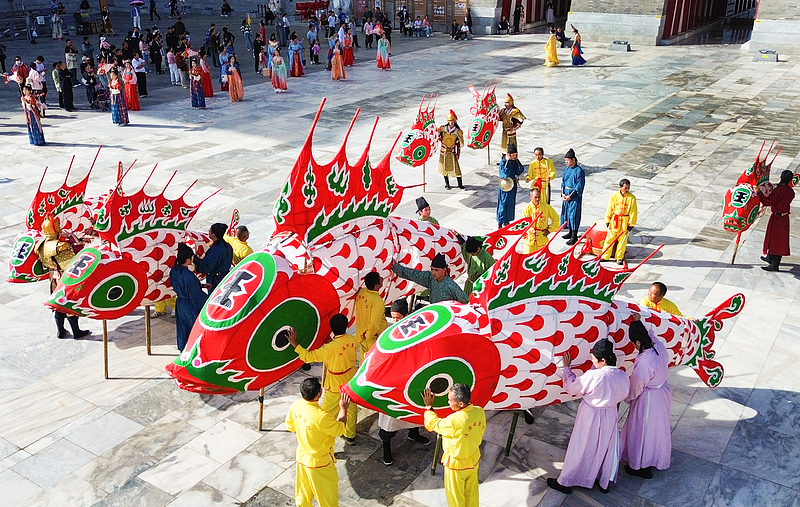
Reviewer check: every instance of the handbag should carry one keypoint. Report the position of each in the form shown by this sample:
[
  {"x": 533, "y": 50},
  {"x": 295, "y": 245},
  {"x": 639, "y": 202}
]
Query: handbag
[
  {"x": 266, "y": 72},
  {"x": 34, "y": 34}
]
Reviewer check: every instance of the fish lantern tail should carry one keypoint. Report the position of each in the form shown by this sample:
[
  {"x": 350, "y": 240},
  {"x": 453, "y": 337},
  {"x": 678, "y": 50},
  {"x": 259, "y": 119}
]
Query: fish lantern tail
[{"x": 710, "y": 371}]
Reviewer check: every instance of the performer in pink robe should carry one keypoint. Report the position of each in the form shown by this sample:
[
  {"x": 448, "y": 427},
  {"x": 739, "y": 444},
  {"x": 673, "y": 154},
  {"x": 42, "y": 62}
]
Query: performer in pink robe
[
  {"x": 593, "y": 450},
  {"x": 646, "y": 440}
]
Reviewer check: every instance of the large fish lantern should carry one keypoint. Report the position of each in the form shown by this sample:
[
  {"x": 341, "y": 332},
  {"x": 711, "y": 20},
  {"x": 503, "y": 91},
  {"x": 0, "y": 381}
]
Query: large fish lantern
[
  {"x": 525, "y": 313},
  {"x": 486, "y": 116},
  {"x": 129, "y": 267},
  {"x": 417, "y": 146},
  {"x": 742, "y": 204},
  {"x": 333, "y": 226}
]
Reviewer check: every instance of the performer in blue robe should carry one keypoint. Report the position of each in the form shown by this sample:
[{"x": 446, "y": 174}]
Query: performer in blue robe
[
  {"x": 572, "y": 184},
  {"x": 191, "y": 297},
  {"x": 511, "y": 168},
  {"x": 218, "y": 260}
]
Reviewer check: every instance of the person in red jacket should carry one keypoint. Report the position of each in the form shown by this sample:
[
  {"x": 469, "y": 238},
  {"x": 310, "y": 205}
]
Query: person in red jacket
[{"x": 776, "y": 239}]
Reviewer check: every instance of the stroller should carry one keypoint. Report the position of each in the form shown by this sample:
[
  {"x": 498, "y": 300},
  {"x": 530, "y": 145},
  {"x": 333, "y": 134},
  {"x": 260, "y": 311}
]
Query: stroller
[{"x": 101, "y": 99}]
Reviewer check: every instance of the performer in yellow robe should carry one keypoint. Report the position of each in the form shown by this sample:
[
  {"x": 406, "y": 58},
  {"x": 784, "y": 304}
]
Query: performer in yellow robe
[
  {"x": 339, "y": 358},
  {"x": 239, "y": 244},
  {"x": 621, "y": 217},
  {"x": 550, "y": 53},
  {"x": 370, "y": 313},
  {"x": 316, "y": 430},
  {"x": 462, "y": 433},
  {"x": 540, "y": 172},
  {"x": 655, "y": 300},
  {"x": 512, "y": 120},
  {"x": 536, "y": 238},
  {"x": 452, "y": 138}
]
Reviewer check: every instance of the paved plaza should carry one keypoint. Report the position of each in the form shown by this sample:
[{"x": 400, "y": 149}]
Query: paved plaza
[{"x": 681, "y": 123}]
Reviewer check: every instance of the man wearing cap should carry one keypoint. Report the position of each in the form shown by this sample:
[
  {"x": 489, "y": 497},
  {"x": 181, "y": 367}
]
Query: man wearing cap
[
  {"x": 512, "y": 120},
  {"x": 510, "y": 169},
  {"x": 478, "y": 260},
  {"x": 339, "y": 358},
  {"x": 440, "y": 285},
  {"x": 572, "y": 183},
  {"x": 424, "y": 210},
  {"x": 452, "y": 139},
  {"x": 620, "y": 218},
  {"x": 370, "y": 313},
  {"x": 540, "y": 172},
  {"x": 545, "y": 219}
]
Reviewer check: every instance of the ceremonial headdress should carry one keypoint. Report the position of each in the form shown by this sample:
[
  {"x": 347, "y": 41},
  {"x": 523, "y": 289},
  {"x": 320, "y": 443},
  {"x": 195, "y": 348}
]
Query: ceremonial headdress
[
  {"x": 472, "y": 245},
  {"x": 570, "y": 153},
  {"x": 400, "y": 306},
  {"x": 604, "y": 349},
  {"x": 51, "y": 228},
  {"x": 452, "y": 116},
  {"x": 439, "y": 262},
  {"x": 421, "y": 204},
  {"x": 509, "y": 99},
  {"x": 512, "y": 148}
]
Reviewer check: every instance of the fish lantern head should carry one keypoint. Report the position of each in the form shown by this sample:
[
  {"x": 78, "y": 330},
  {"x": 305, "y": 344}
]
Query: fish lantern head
[
  {"x": 99, "y": 285},
  {"x": 480, "y": 132},
  {"x": 740, "y": 208},
  {"x": 239, "y": 341},
  {"x": 415, "y": 148},
  {"x": 25, "y": 265},
  {"x": 434, "y": 347}
]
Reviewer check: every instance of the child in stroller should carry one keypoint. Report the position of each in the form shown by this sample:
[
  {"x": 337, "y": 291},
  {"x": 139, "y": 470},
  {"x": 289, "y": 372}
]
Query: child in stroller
[{"x": 101, "y": 99}]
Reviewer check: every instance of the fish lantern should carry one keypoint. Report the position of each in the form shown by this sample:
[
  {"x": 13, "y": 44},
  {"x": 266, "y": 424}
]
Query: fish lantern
[
  {"x": 742, "y": 203},
  {"x": 417, "y": 146},
  {"x": 486, "y": 117}
]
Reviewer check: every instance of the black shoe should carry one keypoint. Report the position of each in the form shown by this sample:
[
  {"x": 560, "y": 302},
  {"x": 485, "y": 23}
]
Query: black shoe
[
  {"x": 620, "y": 262},
  {"x": 528, "y": 416},
  {"x": 82, "y": 334},
  {"x": 387, "y": 458},
  {"x": 769, "y": 268},
  {"x": 61, "y": 334},
  {"x": 766, "y": 259},
  {"x": 553, "y": 484},
  {"x": 419, "y": 439},
  {"x": 602, "y": 489},
  {"x": 349, "y": 440},
  {"x": 572, "y": 241},
  {"x": 306, "y": 367},
  {"x": 644, "y": 473},
  {"x": 567, "y": 235},
  {"x": 462, "y": 187},
  {"x": 447, "y": 187}
]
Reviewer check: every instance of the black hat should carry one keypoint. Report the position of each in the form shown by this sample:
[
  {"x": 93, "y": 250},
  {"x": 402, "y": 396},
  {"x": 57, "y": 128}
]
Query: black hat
[
  {"x": 422, "y": 204},
  {"x": 603, "y": 349},
  {"x": 570, "y": 153},
  {"x": 512, "y": 148},
  {"x": 472, "y": 244},
  {"x": 400, "y": 306},
  {"x": 439, "y": 262}
]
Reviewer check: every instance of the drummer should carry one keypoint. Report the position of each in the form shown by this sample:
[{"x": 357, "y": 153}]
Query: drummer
[{"x": 510, "y": 171}]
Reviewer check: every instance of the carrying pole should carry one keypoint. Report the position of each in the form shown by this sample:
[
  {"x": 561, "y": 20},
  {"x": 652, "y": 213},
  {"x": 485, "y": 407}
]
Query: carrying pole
[
  {"x": 511, "y": 432},
  {"x": 736, "y": 247},
  {"x": 260, "y": 409},
  {"x": 147, "y": 329},
  {"x": 424, "y": 184},
  {"x": 105, "y": 348},
  {"x": 436, "y": 450},
  {"x": 488, "y": 154}
]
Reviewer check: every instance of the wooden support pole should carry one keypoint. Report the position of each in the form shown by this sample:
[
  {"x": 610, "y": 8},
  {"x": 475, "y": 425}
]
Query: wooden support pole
[
  {"x": 261, "y": 409},
  {"x": 736, "y": 247},
  {"x": 436, "y": 450},
  {"x": 147, "y": 329},
  {"x": 511, "y": 433},
  {"x": 105, "y": 348},
  {"x": 488, "y": 154},
  {"x": 423, "y": 177}
]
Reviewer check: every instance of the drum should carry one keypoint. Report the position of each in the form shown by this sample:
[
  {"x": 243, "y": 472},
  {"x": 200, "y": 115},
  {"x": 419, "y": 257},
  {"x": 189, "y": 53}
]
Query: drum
[{"x": 593, "y": 243}]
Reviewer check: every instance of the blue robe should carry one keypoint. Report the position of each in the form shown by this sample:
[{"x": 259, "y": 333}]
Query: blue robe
[
  {"x": 507, "y": 201},
  {"x": 191, "y": 299},
  {"x": 215, "y": 264},
  {"x": 572, "y": 183}
]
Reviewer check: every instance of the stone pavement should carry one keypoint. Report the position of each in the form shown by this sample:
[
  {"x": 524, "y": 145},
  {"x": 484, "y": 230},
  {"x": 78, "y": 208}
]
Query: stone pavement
[{"x": 681, "y": 123}]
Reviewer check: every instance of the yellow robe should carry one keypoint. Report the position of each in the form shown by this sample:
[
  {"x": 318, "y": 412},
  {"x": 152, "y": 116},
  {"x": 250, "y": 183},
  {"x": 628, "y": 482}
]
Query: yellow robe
[
  {"x": 665, "y": 305},
  {"x": 316, "y": 431},
  {"x": 339, "y": 358},
  {"x": 535, "y": 239},
  {"x": 621, "y": 215},
  {"x": 370, "y": 318},
  {"x": 510, "y": 118},
  {"x": 448, "y": 162},
  {"x": 240, "y": 248},
  {"x": 462, "y": 433},
  {"x": 540, "y": 172},
  {"x": 550, "y": 53}
]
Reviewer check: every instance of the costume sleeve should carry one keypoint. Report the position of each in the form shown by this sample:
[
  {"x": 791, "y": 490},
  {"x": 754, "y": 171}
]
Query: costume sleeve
[
  {"x": 572, "y": 383},
  {"x": 330, "y": 426},
  {"x": 195, "y": 290},
  {"x": 551, "y": 168},
  {"x": 486, "y": 258},
  {"x": 552, "y": 217},
  {"x": 444, "y": 427},
  {"x": 531, "y": 175},
  {"x": 638, "y": 381},
  {"x": 460, "y": 134},
  {"x": 290, "y": 421},
  {"x": 458, "y": 294},
  {"x": 313, "y": 356},
  {"x": 610, "y": 208},
  {"x": 633, "y": 213},
  {"x": 420, "y": 277},
  {"x": 580, "y": 181},
  {"x": 209, "y": 263},
  {"x": 503, "y": 167},
  {"x": 377, "y": 318}
]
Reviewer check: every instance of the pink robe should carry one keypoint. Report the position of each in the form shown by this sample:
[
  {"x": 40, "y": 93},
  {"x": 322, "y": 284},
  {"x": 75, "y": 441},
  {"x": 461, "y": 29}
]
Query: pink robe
[
  {"x": 593, "y": 450},
  {"x": 646, "y": 439}
]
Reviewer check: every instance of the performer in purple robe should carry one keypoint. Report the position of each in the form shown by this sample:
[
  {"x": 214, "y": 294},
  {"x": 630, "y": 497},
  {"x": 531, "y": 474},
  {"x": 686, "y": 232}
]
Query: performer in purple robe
[
  {"x": 646, "y": 440},
  {"x": 593, "y": 450}
]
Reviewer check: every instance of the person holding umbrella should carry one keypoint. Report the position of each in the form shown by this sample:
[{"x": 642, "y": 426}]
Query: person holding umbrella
[{"x": 136, "y": 16}]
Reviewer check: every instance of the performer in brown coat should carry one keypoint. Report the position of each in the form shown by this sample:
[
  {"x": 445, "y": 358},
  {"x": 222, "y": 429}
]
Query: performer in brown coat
[{"x": 776, "y": 240}]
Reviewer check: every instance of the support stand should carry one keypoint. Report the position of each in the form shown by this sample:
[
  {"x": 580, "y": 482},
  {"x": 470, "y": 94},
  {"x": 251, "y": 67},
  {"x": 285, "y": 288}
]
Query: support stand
[
  {"x": 260, "y": 409},
  {"x": 147, "y": 329},
  {"x": 488, "y": 154},
  {"x": 105, "y": 348},
  {"x": 736, "y": 247},
  {"x": 424, "y": 184},
  {"x": 436, "y": 450},
  {"x": 511, "y": 433}
]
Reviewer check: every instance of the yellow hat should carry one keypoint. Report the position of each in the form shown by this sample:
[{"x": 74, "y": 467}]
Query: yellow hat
[
  {"x": 452, "y": 116},
  {"x": 509, "y": 99}
]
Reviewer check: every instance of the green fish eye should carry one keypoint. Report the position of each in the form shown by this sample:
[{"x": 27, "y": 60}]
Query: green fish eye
[
  {"x": 114, "y": 292},
  {"x": 439, "y": 377}
]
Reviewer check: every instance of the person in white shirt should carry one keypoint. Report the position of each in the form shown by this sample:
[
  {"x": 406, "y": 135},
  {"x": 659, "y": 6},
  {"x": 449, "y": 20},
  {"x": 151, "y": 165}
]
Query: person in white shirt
[{"x": 139, "y": 66}]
